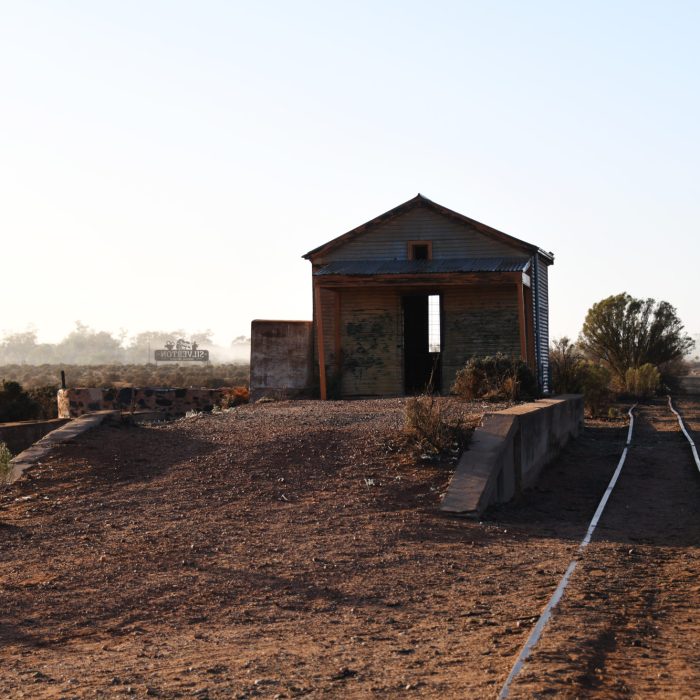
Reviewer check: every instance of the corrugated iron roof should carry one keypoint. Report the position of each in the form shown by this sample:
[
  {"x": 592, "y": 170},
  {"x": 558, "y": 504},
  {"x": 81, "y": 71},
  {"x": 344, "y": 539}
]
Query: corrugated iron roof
[{"x": 422, "y": 267}]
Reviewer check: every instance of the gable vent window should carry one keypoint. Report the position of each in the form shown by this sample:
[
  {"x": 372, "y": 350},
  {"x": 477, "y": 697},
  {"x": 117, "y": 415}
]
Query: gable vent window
[{"x": 420, "y": 250}]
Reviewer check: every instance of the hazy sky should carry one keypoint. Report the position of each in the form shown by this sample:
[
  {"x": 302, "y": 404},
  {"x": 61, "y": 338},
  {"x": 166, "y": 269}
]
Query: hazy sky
[{"x": 166, "y": 164}]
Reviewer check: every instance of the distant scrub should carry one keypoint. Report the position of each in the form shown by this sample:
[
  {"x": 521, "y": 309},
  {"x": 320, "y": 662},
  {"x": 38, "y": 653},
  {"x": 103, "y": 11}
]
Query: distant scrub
[{"x": 48, "y": 377}]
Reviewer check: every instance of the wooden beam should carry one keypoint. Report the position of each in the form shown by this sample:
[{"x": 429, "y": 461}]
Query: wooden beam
[
  {"x": 320, "y": 343},
  {"x": 522, "y": 321},
  {"x": 432, "y": 280},
  {"x": 337, "y": 350}
]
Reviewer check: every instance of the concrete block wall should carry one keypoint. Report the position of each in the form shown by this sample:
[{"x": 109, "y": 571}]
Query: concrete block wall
[
  {"x": 281, "y": 361},
  {"x": 508, "y": 452}
]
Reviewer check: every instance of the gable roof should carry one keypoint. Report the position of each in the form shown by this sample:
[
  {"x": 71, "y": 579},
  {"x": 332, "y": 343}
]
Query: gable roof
[{"x": 420, "y": 201}]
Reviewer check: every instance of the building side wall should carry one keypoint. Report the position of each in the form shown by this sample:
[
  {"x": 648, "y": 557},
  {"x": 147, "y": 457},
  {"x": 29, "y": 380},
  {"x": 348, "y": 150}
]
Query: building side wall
[
  {"x": 477, "y": 320},
  {"x": 450, "y": 238},
  {"x": 280, "y": 358}
]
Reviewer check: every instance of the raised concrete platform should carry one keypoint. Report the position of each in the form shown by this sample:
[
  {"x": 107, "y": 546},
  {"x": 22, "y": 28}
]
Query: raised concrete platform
[
  {"x": 22, "y": 434},
  {"x": 39, "y": 450},
  {"x": 507, "y": 453}
]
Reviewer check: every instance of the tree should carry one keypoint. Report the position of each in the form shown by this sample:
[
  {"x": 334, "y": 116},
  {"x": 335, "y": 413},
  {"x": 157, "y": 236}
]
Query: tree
[
  {"x": 16, "y": 404},
  {"x": 566, "y": 362},
  {"x": 623, "y": 332}
]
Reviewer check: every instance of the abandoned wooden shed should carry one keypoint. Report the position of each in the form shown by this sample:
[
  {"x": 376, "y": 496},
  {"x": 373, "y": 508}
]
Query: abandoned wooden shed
[{"x": 407, "y": 298}]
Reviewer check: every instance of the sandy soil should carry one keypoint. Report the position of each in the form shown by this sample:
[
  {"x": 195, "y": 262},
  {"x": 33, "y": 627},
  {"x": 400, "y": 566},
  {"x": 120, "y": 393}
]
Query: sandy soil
[{"x": 294, "y": 549}]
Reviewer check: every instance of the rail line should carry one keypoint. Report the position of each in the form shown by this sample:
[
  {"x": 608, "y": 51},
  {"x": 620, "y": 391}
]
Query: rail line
[
  {"x": 544, "y": 618},
  {"x": 693, "y": 447}
]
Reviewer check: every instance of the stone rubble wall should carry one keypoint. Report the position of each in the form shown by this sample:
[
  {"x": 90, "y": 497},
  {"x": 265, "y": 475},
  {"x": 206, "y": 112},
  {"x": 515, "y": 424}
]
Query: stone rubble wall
[{"x": 169, "y": 402}]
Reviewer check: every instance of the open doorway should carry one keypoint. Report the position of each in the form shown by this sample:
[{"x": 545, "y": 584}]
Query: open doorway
[{"x": 422, "y": 342}]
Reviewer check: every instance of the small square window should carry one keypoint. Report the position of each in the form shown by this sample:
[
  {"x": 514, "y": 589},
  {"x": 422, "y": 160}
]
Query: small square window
[{"x": 420, "y": 250}]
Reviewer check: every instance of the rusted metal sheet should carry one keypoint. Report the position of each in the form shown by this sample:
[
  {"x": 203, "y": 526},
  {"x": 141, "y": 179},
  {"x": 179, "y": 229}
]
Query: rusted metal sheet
[
  {"x": 451, "y": 239},
  {"x": 478, "y": 320},
  {"x": 400, "y": 267}
]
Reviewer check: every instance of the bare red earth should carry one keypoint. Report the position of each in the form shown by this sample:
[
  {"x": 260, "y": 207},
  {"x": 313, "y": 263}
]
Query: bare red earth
[{"x": 292, "y": 549}]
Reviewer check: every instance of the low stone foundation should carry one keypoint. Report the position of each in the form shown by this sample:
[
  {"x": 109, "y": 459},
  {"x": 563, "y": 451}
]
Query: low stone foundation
[{"x": 167, "y": 402}]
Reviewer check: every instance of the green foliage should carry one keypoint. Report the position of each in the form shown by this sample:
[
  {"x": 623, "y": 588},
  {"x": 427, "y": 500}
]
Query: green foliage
[
  {"x": 595, "y": 385},
  {"x": 622, "y": 332},
  {"x": 643, "y": 382},
  {"x": 496, "y": 376},
  {"x": 572, "y": 374},
  {"x": 16, "y": 404},
  {"x": 567, "y": 367}
]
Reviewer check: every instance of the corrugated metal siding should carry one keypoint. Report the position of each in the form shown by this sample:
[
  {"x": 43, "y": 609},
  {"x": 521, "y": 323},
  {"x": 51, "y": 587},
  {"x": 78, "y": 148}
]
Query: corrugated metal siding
[
  {"x": 371, "y": 338},
  {"x": 451, "y": 239},
  {"x": 477, "y": 320},
  {"x": 541, "y": 313}
]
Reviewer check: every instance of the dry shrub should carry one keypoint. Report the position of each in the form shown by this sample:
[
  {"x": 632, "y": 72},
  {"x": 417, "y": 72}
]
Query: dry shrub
[
  {"x": 434, "y": 430},
  {"x": 235, "y": 397},
  {"x": 495, "y": 377}
]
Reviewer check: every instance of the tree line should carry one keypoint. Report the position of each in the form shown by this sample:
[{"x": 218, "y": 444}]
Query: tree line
[{"x": 86, "y": 346}]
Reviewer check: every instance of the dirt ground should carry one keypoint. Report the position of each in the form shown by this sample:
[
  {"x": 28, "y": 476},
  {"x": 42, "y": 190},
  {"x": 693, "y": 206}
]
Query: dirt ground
[{"x": 293, "y": 550}]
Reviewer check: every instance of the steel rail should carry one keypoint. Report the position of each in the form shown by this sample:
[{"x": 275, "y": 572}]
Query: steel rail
[
  {"x": 559, "y": 592},
  {"x": 693, "y": 447}
]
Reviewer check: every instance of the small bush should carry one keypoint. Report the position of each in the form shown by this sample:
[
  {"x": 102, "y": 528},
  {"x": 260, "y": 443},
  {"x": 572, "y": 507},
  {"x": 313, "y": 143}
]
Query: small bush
[
  {"x": 5, "y": 457},
  {"x": 45, "y": 399},
  {"x": 596, "y": 387},
  {"x": 495, "y": 377},
  {"x": 236, "y": 397},
  {"x": 424, "y": 420},
  {"x": 643, "y": 382},
  {"x": 567, "y": 367},
  {"x": 436, "y": 427},
  {"x": 16, "y": 404}
]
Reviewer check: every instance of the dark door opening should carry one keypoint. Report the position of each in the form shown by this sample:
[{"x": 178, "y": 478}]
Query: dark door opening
[{"x": 421, "y": 343}]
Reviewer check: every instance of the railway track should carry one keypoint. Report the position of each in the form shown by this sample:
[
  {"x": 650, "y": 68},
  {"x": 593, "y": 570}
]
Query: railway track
[{"x": 620, "y": 621}]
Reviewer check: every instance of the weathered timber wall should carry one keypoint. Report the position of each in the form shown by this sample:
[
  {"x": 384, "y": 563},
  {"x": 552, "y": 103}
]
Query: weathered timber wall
[
  {"x": 281, "y": 358},
  {"x": 372, "y": 342},
  {"x": 477, "y": 320},
  {"x": 168, "y": 402},
  {"x": 19, "y": 436},
  {"x": 451, "y": 239}
]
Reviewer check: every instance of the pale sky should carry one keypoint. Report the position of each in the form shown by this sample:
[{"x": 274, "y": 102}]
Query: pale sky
[{"x": 165, "y": 164}]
